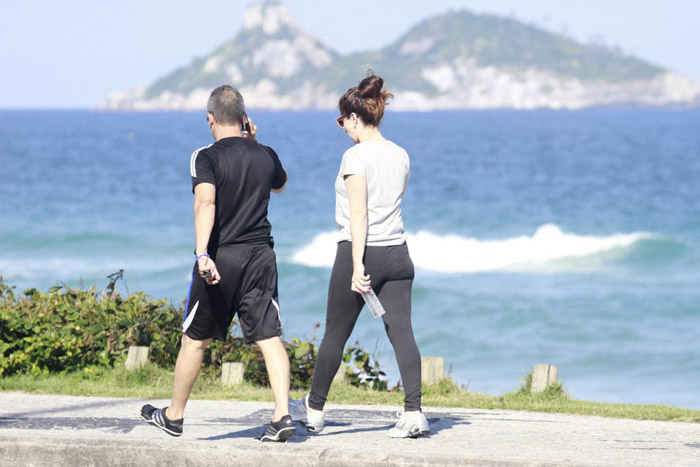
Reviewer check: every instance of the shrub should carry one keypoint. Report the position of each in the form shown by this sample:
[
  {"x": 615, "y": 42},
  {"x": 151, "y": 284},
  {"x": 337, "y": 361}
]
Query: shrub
[
  {"x": 68, "y": 330},
  {"x": 367, "y": 371}
]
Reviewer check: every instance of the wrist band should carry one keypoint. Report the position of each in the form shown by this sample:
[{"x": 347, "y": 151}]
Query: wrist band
[{"x": 203, "y": 255}]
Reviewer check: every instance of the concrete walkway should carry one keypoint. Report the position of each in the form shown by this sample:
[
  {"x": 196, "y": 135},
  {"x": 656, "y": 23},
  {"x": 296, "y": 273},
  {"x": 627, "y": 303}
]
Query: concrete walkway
[{"x": 63, "y": 430}]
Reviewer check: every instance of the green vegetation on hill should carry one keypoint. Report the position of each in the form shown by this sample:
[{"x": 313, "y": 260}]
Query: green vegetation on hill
[
  {"x": 482, "y": 40},
  {"x": 506, "y": 43},
  {"x": 239, "y": 52}
]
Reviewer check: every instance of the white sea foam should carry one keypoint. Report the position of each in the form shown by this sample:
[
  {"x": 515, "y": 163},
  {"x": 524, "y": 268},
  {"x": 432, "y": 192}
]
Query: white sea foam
[
  {"x": 454, "y": 253},
  {"x": 320, "y": 252},
  {"x": 72, "y": 268}
]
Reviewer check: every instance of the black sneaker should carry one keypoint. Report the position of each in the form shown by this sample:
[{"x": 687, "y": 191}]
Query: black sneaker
[
  {"x": 156, "y": 417},
  {"x": 279, "y": 431}
]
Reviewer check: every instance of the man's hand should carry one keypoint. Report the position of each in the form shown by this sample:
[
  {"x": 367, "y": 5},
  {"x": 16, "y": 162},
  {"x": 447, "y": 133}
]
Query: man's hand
[
  {"x": 253, "y": 131},
  {"x": 208, "y": 271}
]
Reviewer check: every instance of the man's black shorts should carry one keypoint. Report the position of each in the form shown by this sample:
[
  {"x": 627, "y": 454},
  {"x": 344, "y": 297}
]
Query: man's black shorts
[{"x": 248, "y": 286}]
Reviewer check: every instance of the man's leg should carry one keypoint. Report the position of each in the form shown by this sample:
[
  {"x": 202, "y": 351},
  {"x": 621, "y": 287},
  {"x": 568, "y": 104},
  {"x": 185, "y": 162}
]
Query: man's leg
[
  {"x": 277, "y": 364},
  {"x": 189, "y": 362}
]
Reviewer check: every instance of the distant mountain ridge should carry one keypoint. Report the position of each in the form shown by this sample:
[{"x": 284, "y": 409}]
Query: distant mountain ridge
[{"x": 458, "y": 60}]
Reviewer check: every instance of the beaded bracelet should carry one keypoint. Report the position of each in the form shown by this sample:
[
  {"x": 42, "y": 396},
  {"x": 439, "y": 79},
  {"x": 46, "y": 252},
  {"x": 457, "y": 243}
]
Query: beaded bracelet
[{"x": 203, "y": 255}]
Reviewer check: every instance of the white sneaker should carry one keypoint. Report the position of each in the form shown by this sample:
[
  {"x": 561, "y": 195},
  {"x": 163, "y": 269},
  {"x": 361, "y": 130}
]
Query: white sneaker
[
  {"x": 410, "y": 425},
  {"x": 313, "y": 421}
]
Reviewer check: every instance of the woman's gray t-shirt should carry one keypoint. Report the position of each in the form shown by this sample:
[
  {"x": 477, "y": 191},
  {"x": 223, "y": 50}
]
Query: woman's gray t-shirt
[{"x": 386, "y": 167}]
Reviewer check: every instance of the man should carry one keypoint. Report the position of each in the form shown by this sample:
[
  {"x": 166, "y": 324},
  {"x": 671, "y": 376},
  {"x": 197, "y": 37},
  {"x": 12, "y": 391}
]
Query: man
[{"x": 236, "y": 269}]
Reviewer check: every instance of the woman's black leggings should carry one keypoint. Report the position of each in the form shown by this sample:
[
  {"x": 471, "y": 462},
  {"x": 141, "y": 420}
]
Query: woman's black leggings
[{"x": 391, "y": 273}]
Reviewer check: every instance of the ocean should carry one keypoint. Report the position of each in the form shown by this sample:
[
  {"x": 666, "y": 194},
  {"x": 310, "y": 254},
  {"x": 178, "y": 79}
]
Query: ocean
[{"x": 561, "y": 237}]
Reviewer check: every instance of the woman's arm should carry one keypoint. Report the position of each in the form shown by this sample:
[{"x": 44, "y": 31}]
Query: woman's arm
[{"x": 357, "y": 195}]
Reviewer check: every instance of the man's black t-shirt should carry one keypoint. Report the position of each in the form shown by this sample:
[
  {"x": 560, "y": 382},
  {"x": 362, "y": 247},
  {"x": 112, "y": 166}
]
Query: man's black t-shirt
[{"x": 243, "y": 173}]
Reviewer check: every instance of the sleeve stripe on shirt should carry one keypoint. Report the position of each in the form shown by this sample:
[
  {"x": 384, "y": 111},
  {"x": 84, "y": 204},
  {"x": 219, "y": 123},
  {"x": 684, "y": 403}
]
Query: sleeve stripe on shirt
[{"x": 193, "y": 159}]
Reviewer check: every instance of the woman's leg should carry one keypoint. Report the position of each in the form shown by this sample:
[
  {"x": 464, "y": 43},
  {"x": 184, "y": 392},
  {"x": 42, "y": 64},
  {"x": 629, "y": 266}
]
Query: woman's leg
[
  {"x": 396, "y": 299},
  {"x": 392, "y": 272},
  {"x": 342, "y": 311}
]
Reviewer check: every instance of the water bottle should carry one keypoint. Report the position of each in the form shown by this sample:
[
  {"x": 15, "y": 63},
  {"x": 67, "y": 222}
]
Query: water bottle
[{"x": 373, "y": 303}]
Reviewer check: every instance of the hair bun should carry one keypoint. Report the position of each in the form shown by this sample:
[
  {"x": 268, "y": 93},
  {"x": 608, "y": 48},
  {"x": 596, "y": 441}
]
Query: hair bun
[
  {"x": 367, "y": 100},
  {"x": 371, "y": 87}
]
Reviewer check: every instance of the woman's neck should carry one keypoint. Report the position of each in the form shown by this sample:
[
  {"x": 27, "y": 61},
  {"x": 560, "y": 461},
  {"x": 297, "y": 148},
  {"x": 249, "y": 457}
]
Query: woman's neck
[{"x": 369, "y": 133}]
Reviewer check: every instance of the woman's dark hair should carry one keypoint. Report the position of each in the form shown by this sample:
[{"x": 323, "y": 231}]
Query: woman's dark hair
[{"x": 367, "y": 100}]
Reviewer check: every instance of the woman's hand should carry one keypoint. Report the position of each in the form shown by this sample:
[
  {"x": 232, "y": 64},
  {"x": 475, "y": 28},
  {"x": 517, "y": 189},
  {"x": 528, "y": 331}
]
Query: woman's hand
[
  {"x": 208, "y": 271},
  {"x": 360, "y": 281}
]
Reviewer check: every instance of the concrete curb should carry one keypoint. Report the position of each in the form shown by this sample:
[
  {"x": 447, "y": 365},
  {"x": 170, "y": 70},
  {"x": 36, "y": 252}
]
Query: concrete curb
[
  {"x": 67, "y": 451},
  {"x": 39, "y": 430}
]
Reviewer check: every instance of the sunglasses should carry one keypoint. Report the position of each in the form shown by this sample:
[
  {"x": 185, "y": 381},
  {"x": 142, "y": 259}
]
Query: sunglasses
[{"x": 341, "y": 121}]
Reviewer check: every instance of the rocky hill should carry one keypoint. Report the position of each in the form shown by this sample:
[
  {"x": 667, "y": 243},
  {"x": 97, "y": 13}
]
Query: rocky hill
[{"x": 458, "y": 60}]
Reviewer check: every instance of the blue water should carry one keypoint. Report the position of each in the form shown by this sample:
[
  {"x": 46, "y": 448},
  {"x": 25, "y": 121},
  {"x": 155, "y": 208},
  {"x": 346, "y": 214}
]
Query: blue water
[{"x": 570, "y": 238}]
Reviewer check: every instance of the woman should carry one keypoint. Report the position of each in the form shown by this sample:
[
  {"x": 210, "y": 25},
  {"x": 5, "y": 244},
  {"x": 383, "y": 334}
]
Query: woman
[{"x": 372, "y": 251}]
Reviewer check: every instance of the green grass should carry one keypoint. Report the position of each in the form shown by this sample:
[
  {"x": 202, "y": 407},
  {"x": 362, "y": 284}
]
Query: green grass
[{"x": 151, "y": 382}]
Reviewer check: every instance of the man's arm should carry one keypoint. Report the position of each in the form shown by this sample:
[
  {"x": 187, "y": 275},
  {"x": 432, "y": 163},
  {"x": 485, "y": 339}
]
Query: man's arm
[
  {"x": 279, "y": 182},
  {"x": 281, "y": 189},
  {"x": 204, "y": 214}
]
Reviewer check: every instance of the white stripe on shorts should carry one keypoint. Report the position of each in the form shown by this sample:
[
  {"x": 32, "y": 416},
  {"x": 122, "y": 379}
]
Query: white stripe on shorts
[
  {"x": 190, "y": 317},
  {"x": 277, "y": 307}
]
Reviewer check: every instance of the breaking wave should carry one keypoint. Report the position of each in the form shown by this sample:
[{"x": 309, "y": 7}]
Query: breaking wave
[{"x": 549, "y": 247}]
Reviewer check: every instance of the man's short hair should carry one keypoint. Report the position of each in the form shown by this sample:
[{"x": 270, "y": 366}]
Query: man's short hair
[{"x": 226, "y": 105}]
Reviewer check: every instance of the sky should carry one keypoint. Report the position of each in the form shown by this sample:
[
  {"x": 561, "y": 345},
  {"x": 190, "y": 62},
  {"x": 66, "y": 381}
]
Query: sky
[{"x": 73, "y": 53}]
